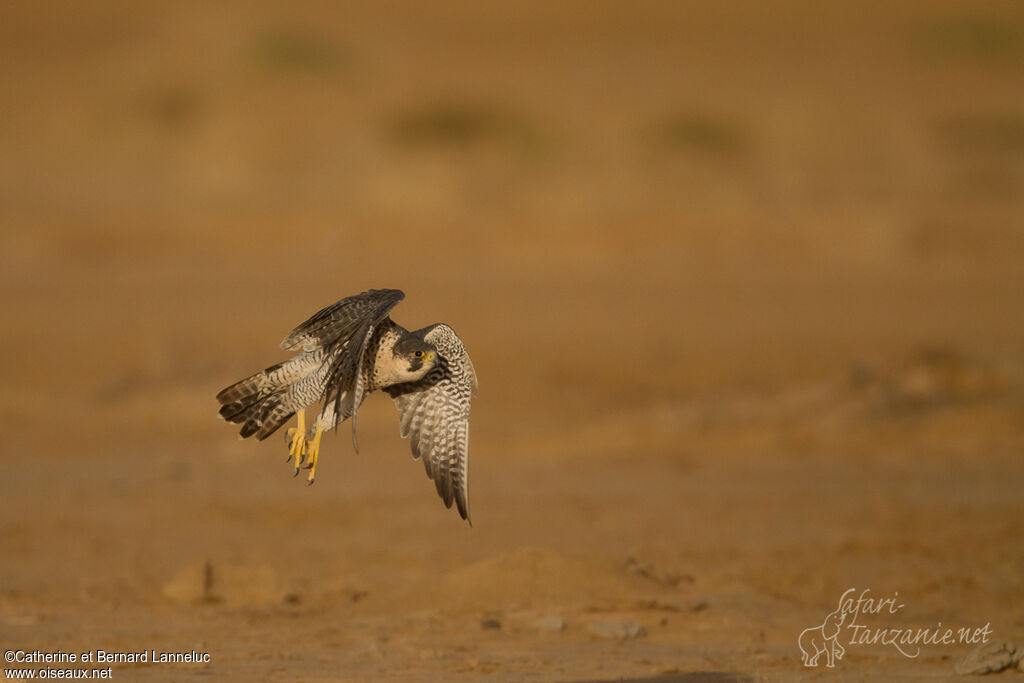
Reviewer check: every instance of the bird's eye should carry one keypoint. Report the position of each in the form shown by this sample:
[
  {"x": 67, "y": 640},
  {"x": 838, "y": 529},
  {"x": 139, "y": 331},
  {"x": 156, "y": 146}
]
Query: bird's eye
[{"x": 418, "y": 354}]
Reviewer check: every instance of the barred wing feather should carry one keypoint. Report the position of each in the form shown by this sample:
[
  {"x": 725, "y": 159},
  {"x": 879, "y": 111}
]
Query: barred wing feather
[
  {"x": 341, "y": 320},
  {"x": 435, "y": 417}
]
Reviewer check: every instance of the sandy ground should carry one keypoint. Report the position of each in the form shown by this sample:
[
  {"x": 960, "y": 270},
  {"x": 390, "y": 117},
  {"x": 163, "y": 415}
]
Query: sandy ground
[{"x": 742, "y": 286}]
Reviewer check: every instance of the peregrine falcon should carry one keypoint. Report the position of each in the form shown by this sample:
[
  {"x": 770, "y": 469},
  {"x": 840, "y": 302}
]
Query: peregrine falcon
[{"x": 345, "y": 352}]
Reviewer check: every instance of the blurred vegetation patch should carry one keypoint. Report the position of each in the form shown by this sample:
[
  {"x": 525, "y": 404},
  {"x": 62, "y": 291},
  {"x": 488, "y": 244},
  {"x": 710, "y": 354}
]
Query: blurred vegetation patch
[
  {"x": 172, "y": 108},
  {"x": 987, "y": 151},
  {"x": 973, "y": 36},
  {"x": 989, "y": 134},
  {"x": 291, "y": 50},
  {"x": 699, "y": 134},
  {"x": 461, "y": 125}
]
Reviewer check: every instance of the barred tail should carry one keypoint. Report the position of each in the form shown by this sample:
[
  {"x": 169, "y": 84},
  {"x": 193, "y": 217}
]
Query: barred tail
[{"x": 257, "y": 403}]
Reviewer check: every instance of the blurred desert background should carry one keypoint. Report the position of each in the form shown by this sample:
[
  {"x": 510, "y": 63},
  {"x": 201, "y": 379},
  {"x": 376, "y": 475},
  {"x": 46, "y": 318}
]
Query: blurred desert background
[{"x": 742, "y": 283}]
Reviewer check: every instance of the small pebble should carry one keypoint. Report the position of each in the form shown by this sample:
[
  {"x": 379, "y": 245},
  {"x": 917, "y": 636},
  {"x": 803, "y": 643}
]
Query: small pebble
[
  {"x": 490, "y": 623},
  {"x": 617, "y": 629},
  {"x": 550, "y": 624}
]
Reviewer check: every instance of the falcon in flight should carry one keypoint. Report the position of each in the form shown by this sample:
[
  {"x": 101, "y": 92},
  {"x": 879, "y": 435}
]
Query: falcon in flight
[{"x": 345, "y": 352}]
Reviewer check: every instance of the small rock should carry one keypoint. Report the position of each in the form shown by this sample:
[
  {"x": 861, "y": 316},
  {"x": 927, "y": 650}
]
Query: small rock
[
  {"x": 550, "y": 624},
  {"x": 633, "y": 566},
  {"x": 617, "y": 629},
  {"x": 648, "y": 571},
  {"x": 490, "y": 623},
  {"x": 990, "y": 658}
]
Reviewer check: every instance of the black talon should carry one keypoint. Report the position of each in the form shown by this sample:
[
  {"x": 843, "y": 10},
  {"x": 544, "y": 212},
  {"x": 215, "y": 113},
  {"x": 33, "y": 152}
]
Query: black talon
[
  {"x": 296, "y": 472},
  {"x": 310, "y": 482}
]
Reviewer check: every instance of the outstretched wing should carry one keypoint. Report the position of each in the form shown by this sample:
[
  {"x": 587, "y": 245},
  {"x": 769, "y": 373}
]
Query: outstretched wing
[
  {"x": 344, "y": 331},
  {"x": 435, "y": 414}
]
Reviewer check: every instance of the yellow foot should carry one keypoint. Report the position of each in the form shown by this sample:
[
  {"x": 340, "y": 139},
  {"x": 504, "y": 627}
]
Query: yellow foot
[
  {"x": 297, "y": 440},
  {"x": 313, "y": 452}
]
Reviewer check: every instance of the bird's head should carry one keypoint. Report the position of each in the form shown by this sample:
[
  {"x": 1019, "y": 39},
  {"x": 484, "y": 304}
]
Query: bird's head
[{"x": 414, "y": 358}]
